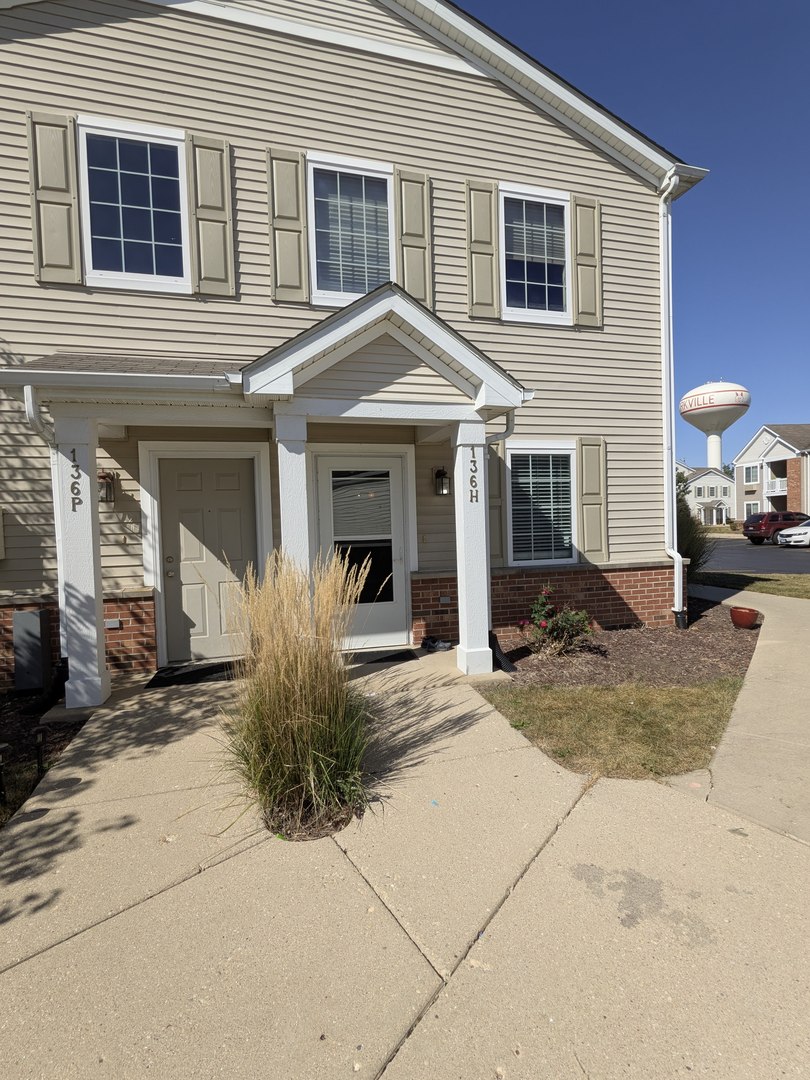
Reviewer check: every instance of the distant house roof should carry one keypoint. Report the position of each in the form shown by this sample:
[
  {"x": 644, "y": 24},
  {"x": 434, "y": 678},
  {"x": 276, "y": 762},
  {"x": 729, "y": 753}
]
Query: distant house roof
[{"x": 796, "y": 435}]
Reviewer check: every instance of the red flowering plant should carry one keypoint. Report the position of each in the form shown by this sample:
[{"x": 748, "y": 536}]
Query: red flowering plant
[{"x": 553, "y": 628}]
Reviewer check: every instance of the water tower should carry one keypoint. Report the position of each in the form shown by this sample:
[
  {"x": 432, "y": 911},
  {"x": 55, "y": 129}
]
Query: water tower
[{"x": 712, "y": 408}]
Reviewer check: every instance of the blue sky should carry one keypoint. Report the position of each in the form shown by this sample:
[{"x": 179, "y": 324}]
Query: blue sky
[{"x": 724, "y": 84}]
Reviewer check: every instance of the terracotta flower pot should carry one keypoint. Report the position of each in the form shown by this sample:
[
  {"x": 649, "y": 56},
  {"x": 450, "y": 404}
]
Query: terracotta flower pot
[{"x": 744, "y": 618}]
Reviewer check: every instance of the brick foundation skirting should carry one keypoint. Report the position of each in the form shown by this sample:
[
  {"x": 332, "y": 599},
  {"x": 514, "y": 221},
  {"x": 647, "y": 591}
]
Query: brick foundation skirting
[
  {"x": 613, "y": 599},
  {"x": 130, "y": 646}
]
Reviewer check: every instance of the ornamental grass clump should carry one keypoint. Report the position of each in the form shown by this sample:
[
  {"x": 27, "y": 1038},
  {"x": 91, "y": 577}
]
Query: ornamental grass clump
[
  {"x": 298, "y": 732},
  {"x": 555, "y": 629}
]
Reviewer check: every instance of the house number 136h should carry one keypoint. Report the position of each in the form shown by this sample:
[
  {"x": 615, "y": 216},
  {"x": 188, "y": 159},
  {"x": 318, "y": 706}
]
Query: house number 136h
[
  {"x": 76, "y": 499},
  {"x": 473, "y": 476}
]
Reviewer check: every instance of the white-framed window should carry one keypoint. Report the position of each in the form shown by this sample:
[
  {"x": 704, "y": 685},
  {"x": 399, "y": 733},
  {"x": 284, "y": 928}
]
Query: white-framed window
[
  {"x": 751, "y": 476},
  {"x": 699, "y": 492},
  {"x": 712, "y": 492},
  {"x": 725, "y": 491},
  {"x": 541, "y": 503},
  {"x": 134, "y": 206},
  {"x": 351, "y": 227},
  {"x": 751, "y": 508},
  {"x": 535, "y": 268}
]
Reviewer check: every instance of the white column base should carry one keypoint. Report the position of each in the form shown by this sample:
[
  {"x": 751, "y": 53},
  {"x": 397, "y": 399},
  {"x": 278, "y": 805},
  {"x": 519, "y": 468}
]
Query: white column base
[
  {"x": 88, "y": 691},
  {"x": 474, "y": 661}
]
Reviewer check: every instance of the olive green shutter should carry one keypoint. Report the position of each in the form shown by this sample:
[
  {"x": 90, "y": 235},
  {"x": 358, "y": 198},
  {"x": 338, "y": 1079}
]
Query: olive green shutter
[
  {"x": 587, "y": 270},
  {"x": 288, "y": 225},
  {"x": 592, "y": 484},
  {"x": 482, "y": 241},
  {"x": 210, "y": 215},
  {"x": 54, "y": 197},
  {"x": 414, "y": 247}
]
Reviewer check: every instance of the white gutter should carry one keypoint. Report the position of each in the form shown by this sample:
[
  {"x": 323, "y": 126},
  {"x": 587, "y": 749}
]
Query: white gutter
[
  {"x": 94, "y": 380},
  {"x": 34, "y": 416},
  {"x": 668, "y": 387}
]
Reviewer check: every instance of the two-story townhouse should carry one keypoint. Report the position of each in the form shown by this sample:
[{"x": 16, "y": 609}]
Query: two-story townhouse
[
  {"x": 357, "y": 276},
  {"x": 772, "y": 471},
  {"x": 710, "y": 495}
]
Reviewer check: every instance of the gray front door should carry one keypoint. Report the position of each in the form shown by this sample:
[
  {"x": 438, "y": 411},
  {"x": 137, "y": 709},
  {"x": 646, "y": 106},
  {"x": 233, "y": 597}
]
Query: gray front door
[{"x": 208, "y": 537}]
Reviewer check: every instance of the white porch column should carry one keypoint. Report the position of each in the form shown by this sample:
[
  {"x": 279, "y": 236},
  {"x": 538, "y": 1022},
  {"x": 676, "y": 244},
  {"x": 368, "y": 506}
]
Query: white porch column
[
  {"x": 293, "y": 490},
  {"x": 77, "y": 506},
  {"x": 473, "y": 655}
]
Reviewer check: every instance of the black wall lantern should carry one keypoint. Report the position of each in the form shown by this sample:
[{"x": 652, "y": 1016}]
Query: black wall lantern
[
  {"x": 106, "y": 487},
  {"x": 441, "y": 480}
]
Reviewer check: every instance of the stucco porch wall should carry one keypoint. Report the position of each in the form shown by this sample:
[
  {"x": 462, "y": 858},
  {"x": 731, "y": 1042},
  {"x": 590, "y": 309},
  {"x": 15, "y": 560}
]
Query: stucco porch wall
[
  {"x": 624, "y": 596},
  {"x": 130, "y": 647}
]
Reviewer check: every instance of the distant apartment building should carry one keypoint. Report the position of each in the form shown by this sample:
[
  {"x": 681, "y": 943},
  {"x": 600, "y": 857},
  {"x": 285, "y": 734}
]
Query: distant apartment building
[
  {"x": 772, "y": 471},
  {"x": 710, "y": 494}
]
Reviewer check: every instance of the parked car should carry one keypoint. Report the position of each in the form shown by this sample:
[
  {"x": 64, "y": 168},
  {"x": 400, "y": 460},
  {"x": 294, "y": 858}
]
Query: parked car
[
  {"x": 797, "y": 536},
  {"x": 761, "y": 527}
]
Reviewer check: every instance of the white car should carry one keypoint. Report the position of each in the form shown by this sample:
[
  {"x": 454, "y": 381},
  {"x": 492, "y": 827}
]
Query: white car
[{"x": 797, "y": 536}]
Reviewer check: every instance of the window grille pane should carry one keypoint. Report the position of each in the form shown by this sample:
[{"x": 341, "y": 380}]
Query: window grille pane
[
  {"x": 534, "y": 241},
  {"x": 542, "y": 511},
  {"x": 351, "y": 232},
  {"x": 134, "y": 194}
]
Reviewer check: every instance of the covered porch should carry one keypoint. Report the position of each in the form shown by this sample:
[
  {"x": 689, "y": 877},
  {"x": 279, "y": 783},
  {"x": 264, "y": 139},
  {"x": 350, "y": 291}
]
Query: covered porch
[{"x": 369, "y": 433}]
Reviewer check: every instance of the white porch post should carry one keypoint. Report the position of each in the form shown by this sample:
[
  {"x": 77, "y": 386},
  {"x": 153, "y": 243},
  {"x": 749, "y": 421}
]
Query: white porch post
[
  {"x": 293, "y": 490},
  {"x": 473, "y": 656},
  {"x": 77, "y": 506}
]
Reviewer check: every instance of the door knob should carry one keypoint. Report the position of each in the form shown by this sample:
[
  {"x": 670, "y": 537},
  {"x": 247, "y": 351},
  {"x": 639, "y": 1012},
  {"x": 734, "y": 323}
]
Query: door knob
[{"x": 170, "y": 573}]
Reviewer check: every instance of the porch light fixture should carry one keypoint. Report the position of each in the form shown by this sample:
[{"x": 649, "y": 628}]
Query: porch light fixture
[
  {"x": 106, "y": 487},
  {"x": 441, "y": 480}
]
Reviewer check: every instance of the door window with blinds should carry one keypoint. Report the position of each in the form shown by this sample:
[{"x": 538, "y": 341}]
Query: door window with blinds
[
  {"x": 541, "y": 506},
  {"x": 535, "y": 265},
  {"x": 350, "y": 228}
]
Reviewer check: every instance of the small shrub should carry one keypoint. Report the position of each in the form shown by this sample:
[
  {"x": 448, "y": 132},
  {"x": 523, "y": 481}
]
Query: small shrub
[
  {"x": 298, "y": 732},
  {"x": 553, "y": 628},
  {"x": 694, "y": 540}
]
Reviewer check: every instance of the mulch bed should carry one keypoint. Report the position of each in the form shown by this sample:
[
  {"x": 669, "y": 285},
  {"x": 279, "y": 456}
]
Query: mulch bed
[{"x": 710, "y": 648}]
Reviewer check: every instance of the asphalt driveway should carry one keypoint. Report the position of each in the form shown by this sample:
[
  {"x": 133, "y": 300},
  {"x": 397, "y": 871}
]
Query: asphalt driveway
[{"x": 739, "y": 555}]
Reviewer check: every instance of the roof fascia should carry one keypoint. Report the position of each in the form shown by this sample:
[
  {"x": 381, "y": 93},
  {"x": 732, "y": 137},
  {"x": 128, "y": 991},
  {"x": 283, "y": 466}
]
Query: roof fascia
[
  {"x": 95, "y": 380},
  {"x": 506, "y": 64}
]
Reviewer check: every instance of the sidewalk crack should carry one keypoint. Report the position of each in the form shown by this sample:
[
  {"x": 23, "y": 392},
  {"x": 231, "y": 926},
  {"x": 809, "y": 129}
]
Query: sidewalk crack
[{"x": 446, "y": 980}]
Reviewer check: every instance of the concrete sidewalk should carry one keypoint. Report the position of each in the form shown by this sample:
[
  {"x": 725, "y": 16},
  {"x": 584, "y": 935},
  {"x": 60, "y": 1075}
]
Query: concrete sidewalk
[
  {"x": 492, "y": 917},
  {"x": 762, "y": 765}
]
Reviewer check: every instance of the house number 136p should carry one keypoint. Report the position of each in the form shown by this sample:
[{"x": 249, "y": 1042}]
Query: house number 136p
[{"x": 76, "y": 499}]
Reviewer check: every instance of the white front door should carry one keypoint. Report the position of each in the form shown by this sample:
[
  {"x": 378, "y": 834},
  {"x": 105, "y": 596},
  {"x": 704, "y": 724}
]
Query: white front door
[
  {"x": 361, "y": 512},
  {"x": 208, "y": 537}
]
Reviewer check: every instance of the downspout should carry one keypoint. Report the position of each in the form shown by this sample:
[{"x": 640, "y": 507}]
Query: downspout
[
  {"x": 34, "y": 416},
  {"x": 668, "y": 386}
]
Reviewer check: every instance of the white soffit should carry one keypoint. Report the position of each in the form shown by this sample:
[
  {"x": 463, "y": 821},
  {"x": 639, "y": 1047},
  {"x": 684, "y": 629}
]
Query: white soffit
[{"x": 474, "y": 50}]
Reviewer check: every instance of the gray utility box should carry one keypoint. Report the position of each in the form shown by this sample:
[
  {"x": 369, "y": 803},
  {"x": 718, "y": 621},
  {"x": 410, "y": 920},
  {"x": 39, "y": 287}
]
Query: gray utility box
[{"x": 32, "y": 650}]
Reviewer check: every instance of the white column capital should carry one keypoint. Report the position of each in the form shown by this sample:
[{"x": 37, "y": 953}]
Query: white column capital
[
  {"x": 470, "y": 433},
  {"x": 291, "y": 428},
  {"x": 75, "y": 429}
]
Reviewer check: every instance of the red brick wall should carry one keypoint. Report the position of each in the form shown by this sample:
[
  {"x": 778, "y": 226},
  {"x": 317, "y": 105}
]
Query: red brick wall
[
  {"x": 612, "y": 598},
  {"x": 130, "y": 647},
  {"x": 794, "y": 484}
]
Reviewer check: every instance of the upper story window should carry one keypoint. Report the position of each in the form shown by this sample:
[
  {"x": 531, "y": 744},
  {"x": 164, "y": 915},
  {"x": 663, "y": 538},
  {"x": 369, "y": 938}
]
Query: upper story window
[
  {"x": 132, "y": 183},
  {"x": 712, "y": 492},
  {"x": 751, "y": 474},
  {"x": 699, "y": 492},
  {"x": 541, "y": 505},
  {"x": 535, "y": 265},
  {"x": 351, "y": 227},
  {"x": 725, "y": 491}
]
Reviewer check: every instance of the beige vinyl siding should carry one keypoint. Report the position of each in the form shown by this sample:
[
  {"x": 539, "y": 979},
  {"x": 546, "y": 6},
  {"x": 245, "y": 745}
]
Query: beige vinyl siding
[
  {"x": 361, "y": 17},
  {"x": 155, "y": 65},
  {"x": 383, "y": 371},
  {"x": 29, "y": 568}
]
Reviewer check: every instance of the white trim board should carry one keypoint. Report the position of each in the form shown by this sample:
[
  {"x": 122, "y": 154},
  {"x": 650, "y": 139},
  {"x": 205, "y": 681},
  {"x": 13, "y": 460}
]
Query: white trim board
[{"x": 149, "y": 457}]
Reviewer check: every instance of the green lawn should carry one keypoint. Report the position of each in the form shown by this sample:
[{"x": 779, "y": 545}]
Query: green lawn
[
  {"x": 796, "y": 585},
  {"x": 632, "y": 731}
]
